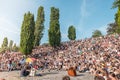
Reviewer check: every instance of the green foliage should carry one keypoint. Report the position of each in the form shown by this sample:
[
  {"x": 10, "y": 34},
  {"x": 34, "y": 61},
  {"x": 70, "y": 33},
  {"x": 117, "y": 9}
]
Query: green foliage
[
  {"x": 27, "y": 34},
  {"x": 5, "y": 44},
  {"x": 96, "y": 33},
  {"x": 10, "y": 45},
  {"x": 112, "y": 28},
  {"x": 116, "y": 17},
  {"x": 54, "y": 33},
  {"x": 116, "y": 4},
  {"x": 117, "y": 20},
  {"x": 72, "y": 33},
  {"x": 15, "y": 48},
  {"x": 2, "y": 50},
  {"x": 39, "y": 26}
]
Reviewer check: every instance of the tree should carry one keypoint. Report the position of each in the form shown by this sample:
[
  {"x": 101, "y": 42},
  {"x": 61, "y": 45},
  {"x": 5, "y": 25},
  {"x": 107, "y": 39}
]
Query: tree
[
  {"x": 10, "y": 45},
  {"x": 117, "y": 20},
  {"x": 54, "y": 33},
  {"x": 39, "y": 26},
  {"x": 2, "y": 50},
  {"x": 72, "y": 33},
  {"x": 15, "y": 48},
  {"x": 27, "y": 34},
  {"x": 112, "y": 28},
  {"x": 97, "y": 33},
  {"x": 5, "y": 44},
  {"x": 116, "y": 4}
]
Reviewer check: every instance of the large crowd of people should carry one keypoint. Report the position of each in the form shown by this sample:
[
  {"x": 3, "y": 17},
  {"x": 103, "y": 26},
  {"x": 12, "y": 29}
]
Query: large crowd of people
[{"x": 99, "y": 56}]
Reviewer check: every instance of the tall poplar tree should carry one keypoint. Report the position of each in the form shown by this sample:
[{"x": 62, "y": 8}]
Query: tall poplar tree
[
  {"x": 54, "y": 33},
  {"x": 117, "y": 20},
  {"x": 27, "y": 34},
  {"x": 5, "y": 44},
  {"x": 116, "y": 4},
  {"x": 10, "y": 45},
  {"x": 71, "y": 33},
  {"x": 39, "y": 26},
  {"x": 15, "y": 48}
]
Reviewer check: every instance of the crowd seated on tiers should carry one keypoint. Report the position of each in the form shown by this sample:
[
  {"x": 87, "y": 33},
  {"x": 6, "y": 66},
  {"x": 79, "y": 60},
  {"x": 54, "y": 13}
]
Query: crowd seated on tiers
[{"x": 99, "y": 56}]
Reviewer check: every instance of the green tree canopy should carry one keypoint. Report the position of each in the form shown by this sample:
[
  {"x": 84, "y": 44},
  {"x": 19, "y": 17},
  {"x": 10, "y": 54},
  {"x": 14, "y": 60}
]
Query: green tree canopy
[
  {"x": 54, "y": 33},
  {"x": 5, "y": 44},
  {"x": 116, "y": 4},
  {"x": 27, "y": 34},
  {"x": 117, "y": 20},
  {"x": 72, "y": 33},
  {"x": 39, "y": 26},
  {"x": 96, "y": 33}
]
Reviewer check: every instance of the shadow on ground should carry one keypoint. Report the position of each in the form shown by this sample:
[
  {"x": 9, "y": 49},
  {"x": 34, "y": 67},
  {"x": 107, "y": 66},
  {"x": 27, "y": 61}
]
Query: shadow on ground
[
  {"x": 43, "y": 74},
  {"x": 80, "y": 75}
]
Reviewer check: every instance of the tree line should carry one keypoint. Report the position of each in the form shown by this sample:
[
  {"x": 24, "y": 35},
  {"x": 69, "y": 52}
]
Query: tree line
[
  {"x": 32, "y": 31},
  {"x": 8, "y": 46}
]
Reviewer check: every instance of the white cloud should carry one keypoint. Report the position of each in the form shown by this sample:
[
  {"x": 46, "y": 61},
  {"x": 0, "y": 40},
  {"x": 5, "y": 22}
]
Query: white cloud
[
  {"x": 83, "y": 14},
  {"x": 83, "y": 8}
]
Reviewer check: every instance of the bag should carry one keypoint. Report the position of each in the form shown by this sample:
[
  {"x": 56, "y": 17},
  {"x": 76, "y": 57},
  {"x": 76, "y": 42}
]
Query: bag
[{"x": 71, "y": 72}]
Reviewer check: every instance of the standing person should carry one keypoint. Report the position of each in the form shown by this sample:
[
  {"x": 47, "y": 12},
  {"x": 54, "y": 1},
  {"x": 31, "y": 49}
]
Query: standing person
[
  {"x": 9, "y": 65},
  {"x": 1, "y": 66}
]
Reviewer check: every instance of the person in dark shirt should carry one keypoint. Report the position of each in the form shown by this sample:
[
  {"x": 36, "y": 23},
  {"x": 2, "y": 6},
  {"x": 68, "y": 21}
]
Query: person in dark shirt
[{"x": 25, "y": 71}]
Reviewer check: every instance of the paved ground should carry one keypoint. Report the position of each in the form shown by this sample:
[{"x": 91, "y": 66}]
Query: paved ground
[{"x": 52, "y": 75}]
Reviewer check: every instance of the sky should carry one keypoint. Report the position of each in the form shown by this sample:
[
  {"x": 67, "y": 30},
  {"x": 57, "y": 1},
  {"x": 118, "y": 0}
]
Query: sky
[{"x": 85, "y": 15}]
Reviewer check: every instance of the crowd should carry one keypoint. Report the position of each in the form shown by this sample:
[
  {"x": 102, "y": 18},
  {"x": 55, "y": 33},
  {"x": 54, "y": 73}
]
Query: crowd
[
  {"x": 9, "y": 61},
  {"x": 98, "y": 56}
]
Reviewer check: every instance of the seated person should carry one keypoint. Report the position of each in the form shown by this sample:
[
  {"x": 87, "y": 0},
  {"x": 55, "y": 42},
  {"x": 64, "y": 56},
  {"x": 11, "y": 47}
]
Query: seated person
[
  {"x": 25, "y": 71},
  {"x": 98, "y": 75},
  {"x": 113, "y": 76},
  {"x": 98, "y": 78}
]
